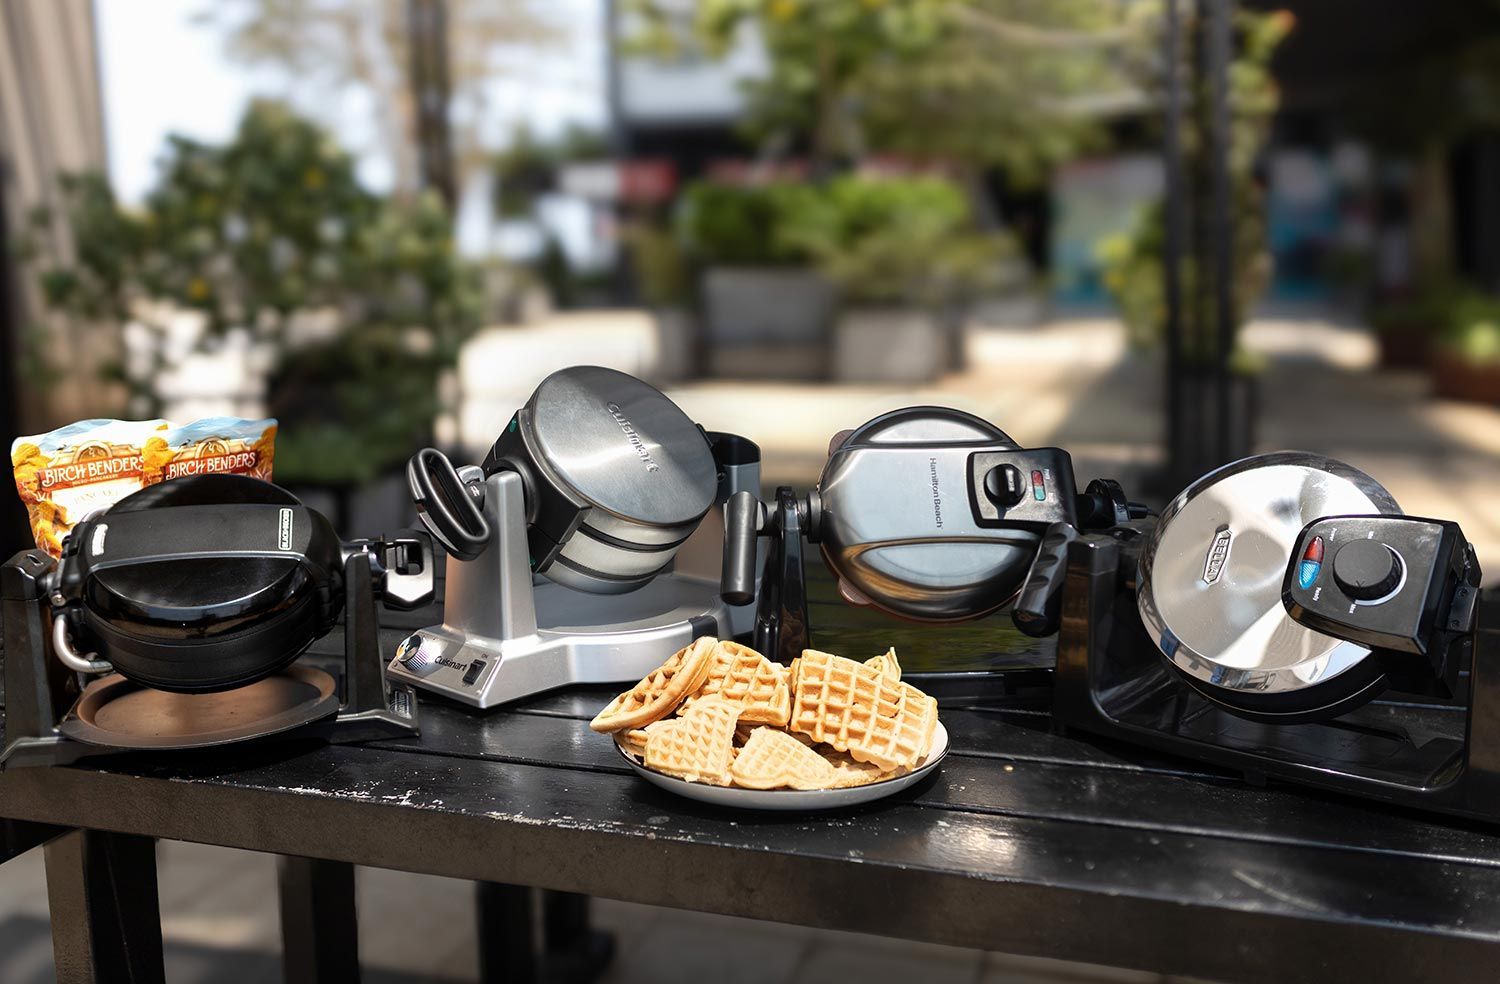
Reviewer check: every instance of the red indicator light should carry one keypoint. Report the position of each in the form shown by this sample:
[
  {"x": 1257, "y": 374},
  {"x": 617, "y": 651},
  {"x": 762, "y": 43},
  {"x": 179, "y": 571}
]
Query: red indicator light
[
  {"x": 1036, "y": 478},
  {"x": 1314, "y": 551}
]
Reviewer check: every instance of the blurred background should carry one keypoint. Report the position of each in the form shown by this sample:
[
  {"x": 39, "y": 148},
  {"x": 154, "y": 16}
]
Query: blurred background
[{"x": 1160, "y": 234}]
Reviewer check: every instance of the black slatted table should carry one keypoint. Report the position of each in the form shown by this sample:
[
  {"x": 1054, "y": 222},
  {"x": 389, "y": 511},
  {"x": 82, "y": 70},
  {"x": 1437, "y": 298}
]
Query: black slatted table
[{"x": 1026, "y": 842}]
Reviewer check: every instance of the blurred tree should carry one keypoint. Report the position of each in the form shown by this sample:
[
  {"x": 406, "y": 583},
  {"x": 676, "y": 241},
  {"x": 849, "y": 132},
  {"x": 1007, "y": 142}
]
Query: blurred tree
[
  {"x": 1017, "y": 84},
  {"x": 361, "y": 300},
  {"x": 344, "y": 45},
  {"x": 1133, "y": 272}
]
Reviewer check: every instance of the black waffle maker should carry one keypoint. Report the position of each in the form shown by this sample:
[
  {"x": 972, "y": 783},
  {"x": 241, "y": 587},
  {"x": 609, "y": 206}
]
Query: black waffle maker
[
  {"x": 185, "y": 607},
  {"x": 200, "y": 584}
]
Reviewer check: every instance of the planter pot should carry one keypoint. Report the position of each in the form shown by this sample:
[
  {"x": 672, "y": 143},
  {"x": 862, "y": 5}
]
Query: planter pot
[
  {"x": 1455, "y": 379},
  {"x": 766, "y": 323},
  {"x": 891, "y": 345},
  {"x": 1404, "y": 350}
]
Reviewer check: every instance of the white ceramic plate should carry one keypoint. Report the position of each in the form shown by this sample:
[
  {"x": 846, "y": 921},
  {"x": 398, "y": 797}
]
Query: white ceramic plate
[{"x": 793, "y": 799}]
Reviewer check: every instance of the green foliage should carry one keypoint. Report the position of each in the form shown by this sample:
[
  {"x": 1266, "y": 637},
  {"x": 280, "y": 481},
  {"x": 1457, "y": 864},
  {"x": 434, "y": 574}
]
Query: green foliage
[
  {"x": 743, "y": 225},
  {"x": 253, "y": 233},
  {"x": 880, "y": 240},
  {"x": 897, "y": 240},
  {"x": 1472, "y": 327},
  {"x": 975, "y": 82}
]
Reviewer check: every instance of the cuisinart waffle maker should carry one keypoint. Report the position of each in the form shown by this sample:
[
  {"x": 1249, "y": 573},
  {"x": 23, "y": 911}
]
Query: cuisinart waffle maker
[
  {"x": 562, "y": 543},
  {"x": 927, "y": 513},
  {"x": 1283, "y": 619},
  {"x": 188, "y": 603}
]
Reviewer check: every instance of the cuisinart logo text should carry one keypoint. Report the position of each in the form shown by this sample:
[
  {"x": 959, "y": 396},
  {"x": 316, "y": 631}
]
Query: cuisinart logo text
[
  {"x": 284, "y": 530},
  {"x": 1218, "y": 553},
  {"x": 636, "y": 443}
]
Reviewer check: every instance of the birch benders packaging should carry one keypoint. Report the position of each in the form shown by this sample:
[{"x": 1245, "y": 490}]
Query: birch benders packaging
[
  {"x": 211, "y": 446},
  {"x": 65, "y": 475}
]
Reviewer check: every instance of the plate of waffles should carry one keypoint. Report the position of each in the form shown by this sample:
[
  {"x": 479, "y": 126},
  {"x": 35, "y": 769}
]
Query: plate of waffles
[{"x": 720, "y": 723}]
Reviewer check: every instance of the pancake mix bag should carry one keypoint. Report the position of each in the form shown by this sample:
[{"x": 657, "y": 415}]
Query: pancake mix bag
[{"x": 66, "y": 475}]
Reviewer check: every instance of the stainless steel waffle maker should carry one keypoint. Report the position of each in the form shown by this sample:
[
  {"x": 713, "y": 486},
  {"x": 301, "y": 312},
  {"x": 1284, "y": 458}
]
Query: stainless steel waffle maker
[
  {"x": 927, "y": 513},
  {"x": 563, "y": 541},
  {"x": 175, "y": 620},
  {"x": 1285, "y": 620}
]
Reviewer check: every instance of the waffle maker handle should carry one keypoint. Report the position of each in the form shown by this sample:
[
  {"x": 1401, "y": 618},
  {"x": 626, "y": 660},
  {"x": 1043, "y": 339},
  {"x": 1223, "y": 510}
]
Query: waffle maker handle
[
  {"x": 1038, "y": 608},
  {"x": 446, "y": 505}
]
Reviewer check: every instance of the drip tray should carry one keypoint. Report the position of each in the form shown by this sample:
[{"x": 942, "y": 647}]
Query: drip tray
[{"x": 116, "y": 713}]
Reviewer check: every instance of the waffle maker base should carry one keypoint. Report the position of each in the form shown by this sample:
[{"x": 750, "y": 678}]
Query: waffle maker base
[{"x": 116, "y": 713}]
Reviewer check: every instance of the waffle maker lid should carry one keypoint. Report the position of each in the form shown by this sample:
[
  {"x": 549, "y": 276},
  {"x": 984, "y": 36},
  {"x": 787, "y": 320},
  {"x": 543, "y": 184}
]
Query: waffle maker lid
[
  {"x": 203, "y": 583},
  {"x": 622, "y": 446},
  {"x": 896, "y": 525},
  {"x": 1210, "y": 582}
]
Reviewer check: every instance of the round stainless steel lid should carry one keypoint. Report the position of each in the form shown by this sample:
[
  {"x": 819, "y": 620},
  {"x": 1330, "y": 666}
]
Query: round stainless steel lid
[
  {"x": 1209, "y": 588},
  {"x": 621, "y": 446},
  {"x": 897, "y": 527}
]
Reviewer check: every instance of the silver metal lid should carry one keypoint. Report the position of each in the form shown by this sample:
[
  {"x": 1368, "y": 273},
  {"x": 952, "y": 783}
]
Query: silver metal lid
[
  {"x": 896, "y": 524},
  {"x": 1209, "y": 588},
  {"x": 621, "y": 446}
]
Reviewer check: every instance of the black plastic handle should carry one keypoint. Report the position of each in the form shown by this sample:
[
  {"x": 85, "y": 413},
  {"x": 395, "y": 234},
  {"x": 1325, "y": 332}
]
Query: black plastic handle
[
  {"x": 1038, "y": 608},
  {"x": 742, "y": 514},
  {"x": 445, "y": 506}
]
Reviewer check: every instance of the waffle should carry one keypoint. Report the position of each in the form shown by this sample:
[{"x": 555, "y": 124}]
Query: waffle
[
  {"x": 773, "y": 759},
  {"x": 856, "y": 709},
  {"x": 743, "y": 676},
  {"x": 886, "y": 664},
  {"x": 699, "y": 746},
  {"x": 661, "y": 691},
  {"x": 633, "y": 740},
  {"x": 849, "y": 771}
]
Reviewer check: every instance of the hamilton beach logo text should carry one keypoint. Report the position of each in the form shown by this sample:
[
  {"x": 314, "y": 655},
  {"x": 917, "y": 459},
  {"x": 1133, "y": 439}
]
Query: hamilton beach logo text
[
  {"x": 937, "y": 499},
  {"x": 634, "y": 438},
  {"x": 1218, "y": 553}
]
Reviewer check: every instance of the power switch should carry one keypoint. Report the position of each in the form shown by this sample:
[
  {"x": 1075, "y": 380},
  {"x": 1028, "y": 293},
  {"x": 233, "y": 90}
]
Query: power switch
[
  {"x": 472, "y": 673},
  {"x": 1366, "y": 570},
  {"x": 1005, "y": 485}
]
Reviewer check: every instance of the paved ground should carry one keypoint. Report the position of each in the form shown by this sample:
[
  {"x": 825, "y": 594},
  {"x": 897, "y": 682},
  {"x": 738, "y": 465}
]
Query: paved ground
[{"x": 1071, "y": 383}]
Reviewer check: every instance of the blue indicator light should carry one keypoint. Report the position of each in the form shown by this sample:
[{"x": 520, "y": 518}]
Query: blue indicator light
[{"x": 1307, "y": 573}]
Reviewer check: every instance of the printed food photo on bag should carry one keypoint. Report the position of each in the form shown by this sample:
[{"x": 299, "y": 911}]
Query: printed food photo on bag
[
  {"x": 67, "y": 474},
  {"x": 211, "y": 446}
]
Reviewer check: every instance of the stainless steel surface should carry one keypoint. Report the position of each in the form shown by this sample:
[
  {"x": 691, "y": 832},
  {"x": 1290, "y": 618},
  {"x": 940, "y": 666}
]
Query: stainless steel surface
[
  {"x": 535, "y": 634},
  {"x": 1209, "y": 589},
  {"x": 624, "y": 449},
  {"x": 62, "y": 645},
  {"x": 897, "y": 527}
]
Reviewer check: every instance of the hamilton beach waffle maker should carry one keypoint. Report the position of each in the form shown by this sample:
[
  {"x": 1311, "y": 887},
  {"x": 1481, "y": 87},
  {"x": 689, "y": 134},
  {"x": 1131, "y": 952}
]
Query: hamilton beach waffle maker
[
  {"x": 1284, "y": 619},
  {"x": 562, "y": 543},
  {"x": 927, "y": 513}
]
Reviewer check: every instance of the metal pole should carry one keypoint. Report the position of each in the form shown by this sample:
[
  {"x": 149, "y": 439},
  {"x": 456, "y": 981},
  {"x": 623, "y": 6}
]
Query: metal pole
[
  {"x": 427, "y": 34},
  {"x": 1172, "y": 218},
  {"x": 1221, "y": 222}
]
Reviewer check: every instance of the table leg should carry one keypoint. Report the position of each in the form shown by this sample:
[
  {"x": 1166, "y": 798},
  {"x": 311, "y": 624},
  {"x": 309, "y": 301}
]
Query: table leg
[
  {"x": 319, "y": 926},
  {"x": 106, "y": 920},
  {"x": 576, "y": 952},
  {"x": 507, "y": 940}
]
